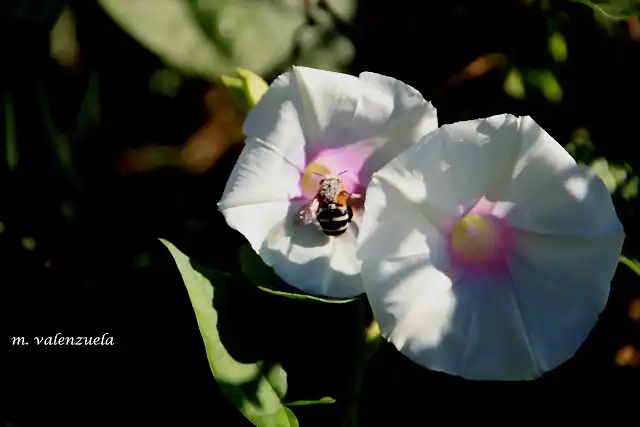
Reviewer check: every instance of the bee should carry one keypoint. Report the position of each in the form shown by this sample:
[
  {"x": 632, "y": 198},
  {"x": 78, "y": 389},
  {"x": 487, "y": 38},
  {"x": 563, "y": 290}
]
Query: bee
[{"x": 331, "y": 207}]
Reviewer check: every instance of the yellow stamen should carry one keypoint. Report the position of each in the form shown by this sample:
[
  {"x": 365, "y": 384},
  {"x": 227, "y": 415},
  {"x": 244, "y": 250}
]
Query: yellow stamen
[
  {"x": 309, "y": 184},
  {"x": 474, "y": 237}
]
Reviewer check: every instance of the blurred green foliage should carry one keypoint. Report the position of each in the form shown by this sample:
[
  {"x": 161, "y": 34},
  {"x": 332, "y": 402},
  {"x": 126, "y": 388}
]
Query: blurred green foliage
[
  {"x": 614, "y": 9},
  {"x": 212, "y": 37}
]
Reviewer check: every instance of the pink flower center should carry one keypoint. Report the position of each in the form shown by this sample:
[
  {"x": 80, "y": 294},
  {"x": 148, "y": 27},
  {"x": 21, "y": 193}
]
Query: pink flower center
[
  {"x": 480, "y": 241},
  {"x": 348, "y": 161}
]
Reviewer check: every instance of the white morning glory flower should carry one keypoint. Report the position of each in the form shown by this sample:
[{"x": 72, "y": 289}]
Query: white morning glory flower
[
  {"x": 486, "y": 251},
  {"x": 308, "y": 124}
]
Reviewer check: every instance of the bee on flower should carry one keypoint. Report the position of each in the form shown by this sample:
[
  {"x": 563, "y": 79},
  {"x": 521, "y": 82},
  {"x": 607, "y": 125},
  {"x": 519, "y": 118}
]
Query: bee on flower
[
  {"x": 289, "y": 194},
  {"x": 331, "y": 207}
]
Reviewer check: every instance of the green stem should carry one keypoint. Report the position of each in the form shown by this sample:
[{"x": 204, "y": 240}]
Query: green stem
[
  {"x": 632, "y": 264},
  {"x": 370, "y": 340},
  {"x": 10, "y": 133}
]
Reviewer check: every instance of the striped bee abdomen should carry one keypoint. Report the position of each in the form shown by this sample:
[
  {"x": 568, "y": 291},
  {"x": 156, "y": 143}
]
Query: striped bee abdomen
[{"x": 334, "y": 219}]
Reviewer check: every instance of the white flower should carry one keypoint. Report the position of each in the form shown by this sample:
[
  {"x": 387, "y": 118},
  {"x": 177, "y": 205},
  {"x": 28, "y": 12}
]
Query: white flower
[
  {"x": 486, "y": 251},
  {"x": 312, "y": 121}
]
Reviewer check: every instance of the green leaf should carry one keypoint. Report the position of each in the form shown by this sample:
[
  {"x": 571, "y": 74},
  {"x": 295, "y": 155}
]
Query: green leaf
[
  {"x": 633, "y": 264},
  {"x": 265, "y": 279},
  {"x": 514, "y": 85},
  {"x": 211, "y": 37},
  {"x": 255, "y": 393},
  {"x": 254, "y": 86},
  {"x": 11, "y": 142},
  {"x": 168, "y": 28},
  {"x": 558, "y": 47},
  {"x": 630, "y": 188},
  {"x": 324, "y": 401},
  {"x": 618, "y": 10},
  {"x": 548, "y": 84},
  {"x": 246, "y": 89},
  {"x": 612, "y": 175}
]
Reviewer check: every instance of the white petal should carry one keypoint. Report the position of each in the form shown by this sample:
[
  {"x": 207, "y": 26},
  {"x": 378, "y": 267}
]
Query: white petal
[
  {"x": 263, "y": 173},
  {"x": 452, "y": 168},
  {"x": 536, "y": 159},
  {"x": 436, "y": 317},
  {"x": 562, "y": 284},
  {"x": 256, "y": 221},
  {"x": 572, "y": 202},
  {"x": 398, "y": 249},
  {"x": 306, "y": 112},
  {"x": 336, "y": 110},
  {"x": 282, "y": 102},
  {"x": 513, "y": 326},
  {"x": 312, "y": 262}
]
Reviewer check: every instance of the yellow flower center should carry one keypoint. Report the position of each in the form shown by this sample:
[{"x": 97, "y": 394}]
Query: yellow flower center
[
  {"x": 475, "y": 238},
  {"x": 310, "y": 181}
]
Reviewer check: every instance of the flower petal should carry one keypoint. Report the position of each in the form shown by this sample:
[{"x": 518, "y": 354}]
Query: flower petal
[
  {"x": 532, "y": 164},
  {"x": 379, "y": 114},
  {"x": 572, "y": 202},
  {"x": 435, "y": 316},
  {"x": 510, "y": 325},
  {"x": 312, "y": 262},
  {"x": 262, "y": 173},
  {"x": 314, "y": 120},
  {"x": 562, "y": 284},
  {"x": 454, "y": 166},
  {"x": 255, "y": 221},
  {"x": 398, "y": 248}
]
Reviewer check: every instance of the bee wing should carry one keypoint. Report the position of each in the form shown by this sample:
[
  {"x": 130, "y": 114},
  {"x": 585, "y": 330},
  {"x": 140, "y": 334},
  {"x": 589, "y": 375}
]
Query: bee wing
[{"x": 308, "y": 213}]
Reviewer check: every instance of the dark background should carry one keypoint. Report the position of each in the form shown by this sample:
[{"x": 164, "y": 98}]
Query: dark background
[{"x": 83, "y": 209}]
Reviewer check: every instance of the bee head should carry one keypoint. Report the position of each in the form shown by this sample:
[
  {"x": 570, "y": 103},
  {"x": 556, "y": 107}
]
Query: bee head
[{"x": 329, "y": 178}]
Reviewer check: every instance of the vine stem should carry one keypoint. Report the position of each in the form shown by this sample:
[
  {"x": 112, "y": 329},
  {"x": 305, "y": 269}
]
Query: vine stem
[{"x": 370, "y": 340}]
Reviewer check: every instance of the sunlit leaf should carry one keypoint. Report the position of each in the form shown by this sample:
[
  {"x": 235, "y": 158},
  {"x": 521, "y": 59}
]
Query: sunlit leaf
[
  {"x": 514, "y": 85},
  {"x": 633, "y": 264},
  {"x": 246, "y": 88},
  {"x": 612, "y": 175},
  {"x": 558, "y": 47},
  {"x": 324, "y": 401},
  {"x": 253, "y": 85},
  {"x": 613, "y": 9},
  {"x": 169, "y": 29},
  {"x": 255, "y": 393},
  {"x": 63, "y": 43},
  {"x": 263, "y": 276},
  {"x": 548, "y": 84},
  {"x": 630, "y": 188},
  {"x": 211, "y": 37}
]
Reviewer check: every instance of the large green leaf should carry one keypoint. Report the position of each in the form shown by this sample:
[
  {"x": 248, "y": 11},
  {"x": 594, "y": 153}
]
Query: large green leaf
[
  {"x": 169, "y": 29},
  {"x": 254, "y": 388},
  {"x": 613, "y": 9},
  {"x": 211, "y": 37}
]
